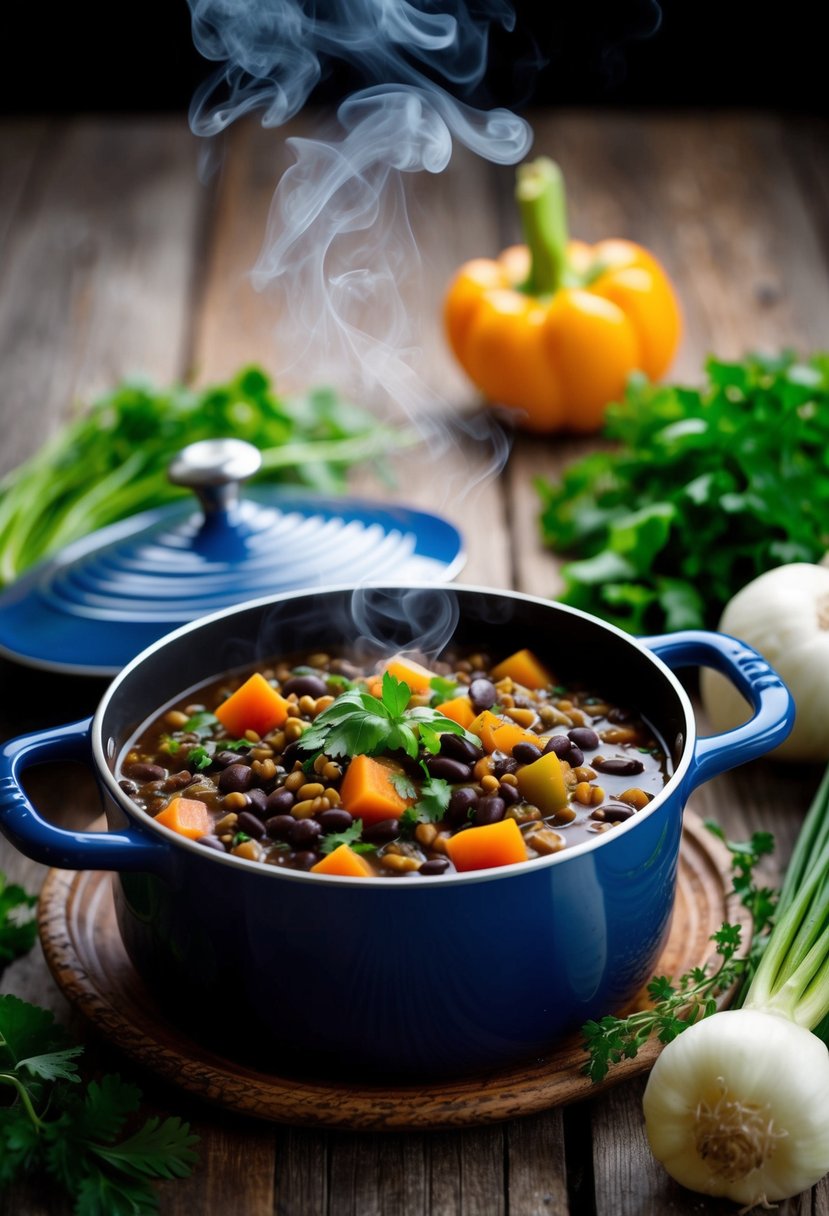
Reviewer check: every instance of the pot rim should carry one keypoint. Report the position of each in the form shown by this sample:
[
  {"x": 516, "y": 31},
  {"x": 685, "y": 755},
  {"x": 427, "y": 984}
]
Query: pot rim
[{"x": 146, "y": 822}]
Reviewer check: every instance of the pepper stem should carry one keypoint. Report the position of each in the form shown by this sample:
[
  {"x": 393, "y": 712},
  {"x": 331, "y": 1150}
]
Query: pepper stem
[{"x": 541, "y": 199}]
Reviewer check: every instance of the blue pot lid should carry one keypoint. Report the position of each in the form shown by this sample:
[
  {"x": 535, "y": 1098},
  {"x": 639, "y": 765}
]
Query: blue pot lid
[{"x": 97, "y": 603}]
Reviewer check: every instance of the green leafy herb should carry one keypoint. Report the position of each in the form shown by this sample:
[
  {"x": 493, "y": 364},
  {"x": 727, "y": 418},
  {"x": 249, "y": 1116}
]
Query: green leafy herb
[
  {"x": 433, "y": 801},
  {"x": 57, "y": 1125},
  {"x": 338, "y": 683},
  {"x": 200, "y": 757},
  {"x": 359, "y": 724},
  {"x": 170, "y": 745},
  {"x": 351, "y": 837},
  {"x": 112, "y": 461},
  {"x": 443, "y": 689},
  {"x": 404, "y": 785},
  {"x": 705, "y": 489},
  {"x": 18, "y": 930},
  {"x": 677, "y": 1004},
  {"x": 240, "y": 838},
  {"x": 202, "y": 724}
]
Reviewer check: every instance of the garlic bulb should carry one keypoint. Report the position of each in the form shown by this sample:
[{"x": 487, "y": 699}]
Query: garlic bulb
[
  {"x": 736, "y": 1106},
  {"x": 785, "y": 615}
]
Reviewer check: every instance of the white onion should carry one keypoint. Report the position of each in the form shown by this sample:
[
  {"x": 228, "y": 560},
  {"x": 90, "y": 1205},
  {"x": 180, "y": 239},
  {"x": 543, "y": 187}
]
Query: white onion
[{"x": 784, "y": 614}]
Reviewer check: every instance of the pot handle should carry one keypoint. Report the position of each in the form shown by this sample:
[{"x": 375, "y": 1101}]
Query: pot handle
[
  {"x": 54, "y": 846},
  {"x": 752, "y": 676}
]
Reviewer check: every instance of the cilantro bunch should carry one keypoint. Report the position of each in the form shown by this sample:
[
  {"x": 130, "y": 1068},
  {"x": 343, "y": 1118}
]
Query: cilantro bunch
[
  {"x": 53, "y": 1123},
  {"x": 704, "y": 490}
]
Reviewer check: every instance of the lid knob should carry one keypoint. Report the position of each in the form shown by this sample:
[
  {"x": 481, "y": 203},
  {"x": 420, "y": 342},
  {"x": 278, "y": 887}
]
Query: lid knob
[{"x": 214, "y": 470}]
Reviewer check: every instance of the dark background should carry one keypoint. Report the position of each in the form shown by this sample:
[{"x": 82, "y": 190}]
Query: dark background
[{"x": 101, "y": 56}]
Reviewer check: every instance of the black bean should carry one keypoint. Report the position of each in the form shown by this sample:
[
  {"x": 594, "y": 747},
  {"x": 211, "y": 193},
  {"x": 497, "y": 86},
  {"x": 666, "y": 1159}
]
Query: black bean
[
  {"x": 615, "y": 812},
  {"x": 583, "y": 737},
  {"x": 225, "y": 758},
  {"x": 459, "y": 748},
  {"x": 335, "y": 820},
  {"x": 559, "y": 744},
  {"x": 250, "y": 824},
  {"x": 279, "y": 827},
  {"x": 618, "y": 766},
  {"x": 575, "y": 756},
  {"x": 304, "y": 860},
  {"x": 146, "y": 772},
  {"x": 211, "y": 842},
  {"x": 490, "y": 809},
  {"x": 129, "y": 787},
  {"x": 305, "y": 686},
  {"x": 502, "y": 764},
  {"x": 382, "y": 832},
  {"x": 483, "y": 694},
  {"x": 306, "y": 833},
  {"x": 509, "y": 793},
  {"x": 460, "y": 802},
  {"x": 238, "y": 778},
  {"x": 280, "y": 801},
  {"x": 525, "y": 753},
  {"x": 435, "y": 865},
  {"x": 178, "y": 781},
  {"x": 448, "y": 769},
  {"x": 618, "y": 714},
  {"x": 258, "y": 801},
  {"x": 290, "y": 755}
]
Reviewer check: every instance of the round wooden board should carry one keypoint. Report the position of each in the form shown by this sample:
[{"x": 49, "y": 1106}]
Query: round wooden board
[{"x": 84, "y": 951}]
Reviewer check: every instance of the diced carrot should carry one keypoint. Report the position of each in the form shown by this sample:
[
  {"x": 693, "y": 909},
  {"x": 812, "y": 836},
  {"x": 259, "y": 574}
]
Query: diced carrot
[
  {"x": 255, "y": 706},
  {"x": 495, "y": 844},
  {"x": 542, "y": 784},
  {"x": 497, "y": 734},
  {"x": 418, "y": 678},
  {"x": 524, "y": 668},
  {"x": 187, "y": 816},
  {"x": 459, "y": 709},
  {"x": 345, "y": 862},
  {"x": 367, "y": 792}
]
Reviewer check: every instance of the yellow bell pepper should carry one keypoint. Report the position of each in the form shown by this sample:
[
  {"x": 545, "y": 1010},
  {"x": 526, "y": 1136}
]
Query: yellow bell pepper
[{"x": 553, "y": 328}]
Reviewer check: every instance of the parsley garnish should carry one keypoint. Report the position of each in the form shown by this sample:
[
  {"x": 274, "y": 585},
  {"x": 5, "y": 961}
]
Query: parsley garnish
[
  {"x": 202, "y": 724},
  {"x": 335, "y": 680},
  {"x": 56, "y": 1124},
  {"x": 200, "y": 757},
  {"x": 403, "y": 784},
  {"x": 360, "y": 724},
  {"x": 239, "y": 838},
  {"x": 351, "y": 837},
  {"x": 677, "y": 1004},
  {"x": 17, "y": 931},
  {"x": 443, "y": 689}
]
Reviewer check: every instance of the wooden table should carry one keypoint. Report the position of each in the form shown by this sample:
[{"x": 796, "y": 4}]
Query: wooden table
[{"x": 116, "y": 257}]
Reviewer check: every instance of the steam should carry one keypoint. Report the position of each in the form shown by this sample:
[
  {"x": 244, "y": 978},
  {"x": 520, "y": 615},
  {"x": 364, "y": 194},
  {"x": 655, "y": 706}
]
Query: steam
[{"x": 339, "y": 243}]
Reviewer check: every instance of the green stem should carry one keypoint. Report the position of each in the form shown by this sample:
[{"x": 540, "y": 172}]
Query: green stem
[
  {"x": 542, "y": 202},
  {"x": 7, "y": 1079},
  {"x": 810, "y": 844}
]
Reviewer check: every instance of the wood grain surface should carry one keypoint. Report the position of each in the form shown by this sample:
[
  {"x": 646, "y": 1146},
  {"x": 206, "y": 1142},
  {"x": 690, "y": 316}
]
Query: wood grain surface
[{"x": 117, "y": 257}]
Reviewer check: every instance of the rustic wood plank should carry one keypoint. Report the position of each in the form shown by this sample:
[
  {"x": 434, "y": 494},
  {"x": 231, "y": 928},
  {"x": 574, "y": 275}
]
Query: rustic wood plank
[
  {"x": 536, "y": 1167},
  {"x": 301, "y": 1171},
  {"x": 20, "y": 145},
  {"x": 97, "y": 275},
  {"x": 467, "y": 1173},
  {"x": 377, "y": 1176}
]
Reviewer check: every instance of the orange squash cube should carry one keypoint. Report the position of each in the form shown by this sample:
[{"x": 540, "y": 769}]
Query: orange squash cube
[
  {"x": 256, "y": 705},
  {"x": 542, "y": 784},
  {"x": 459, "y": 709},
  {"x": 344, "y": 862},
  {"x": 418, "y": 678},
  {"x": 495, "y": 844},
  {"x": 524, "y": 668},
  {"x": 367, "y": 791},
  {"x": 187, "y": 816}
]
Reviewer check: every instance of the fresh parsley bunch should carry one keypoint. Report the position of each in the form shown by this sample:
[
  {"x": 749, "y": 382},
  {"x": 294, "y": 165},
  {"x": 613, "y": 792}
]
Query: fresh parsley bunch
[
  {"x": 17, "y": 929},
  {"x": 55, "y": 1124},
  {"x": 706, "y": 489}
]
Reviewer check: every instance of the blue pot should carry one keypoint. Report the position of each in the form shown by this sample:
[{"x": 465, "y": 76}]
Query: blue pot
[{"x": 440, "y": 975}]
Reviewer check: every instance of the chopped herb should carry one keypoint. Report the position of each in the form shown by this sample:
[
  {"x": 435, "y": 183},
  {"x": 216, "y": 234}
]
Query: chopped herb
[
  {"x": 201, "y": 757},
  {"x": 359, "y": 724},
  {"x": 56, "y": 1125},
  {"x": 338, "y": 682},
  {"x": 434, "y": 799},
  {"x": 170, "y": 745},
  {"x": 403, "y": 784},
  {"x": 18, "y": 931},
  {"x": 239, "y": 838},
  {"x": 443, "y": 689},
  {"x": 351, "y": 837},
  {"x": 202, "y": 724},
  {"x": 706, "y": 489}
]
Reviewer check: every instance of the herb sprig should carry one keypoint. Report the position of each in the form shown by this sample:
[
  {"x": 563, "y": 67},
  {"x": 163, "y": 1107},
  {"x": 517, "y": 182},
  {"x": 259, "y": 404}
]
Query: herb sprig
[
  {"x": 75, "y": 1132},
  {"x": 677, "y": 1004},
  {"x": 361, "y": 724},
  {"x": 705, "y": 489},
  {"x": 18, "y": 930}
]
